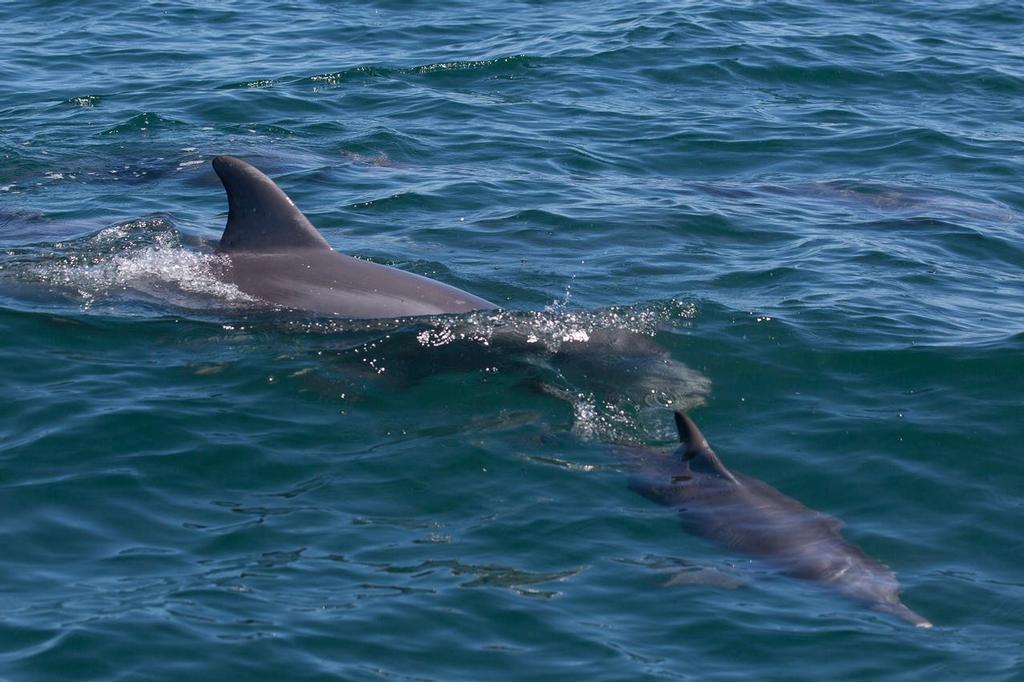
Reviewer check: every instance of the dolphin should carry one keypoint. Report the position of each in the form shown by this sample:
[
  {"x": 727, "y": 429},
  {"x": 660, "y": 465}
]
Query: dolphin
[
  {"x": 273, "y": 253},
  {"x": 752, "y": 517}
]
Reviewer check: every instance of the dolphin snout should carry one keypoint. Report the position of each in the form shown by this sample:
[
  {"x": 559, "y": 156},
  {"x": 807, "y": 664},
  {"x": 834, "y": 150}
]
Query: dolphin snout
[{"x": 902, "y": 612}]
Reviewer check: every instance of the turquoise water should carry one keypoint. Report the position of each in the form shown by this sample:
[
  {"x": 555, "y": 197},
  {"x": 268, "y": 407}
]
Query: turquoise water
[{"x": 806, "y": 218}]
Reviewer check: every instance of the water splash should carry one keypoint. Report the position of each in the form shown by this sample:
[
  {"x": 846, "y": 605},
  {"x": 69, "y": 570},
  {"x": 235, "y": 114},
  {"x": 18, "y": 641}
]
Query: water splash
[
  {"x": 556, "y": 327},
  {"x": 141, "y": 260},
  {"x": 606, "y": 364}
]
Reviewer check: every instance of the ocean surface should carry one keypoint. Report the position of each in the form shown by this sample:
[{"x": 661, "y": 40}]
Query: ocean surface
[{"x": 801, "y": 221}]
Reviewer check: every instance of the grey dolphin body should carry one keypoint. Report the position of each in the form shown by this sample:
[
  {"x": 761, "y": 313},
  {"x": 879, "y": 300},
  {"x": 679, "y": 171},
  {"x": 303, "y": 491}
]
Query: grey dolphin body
[
  {"x": 276, "y": 255},
  {"x": 752, "y": 517}
]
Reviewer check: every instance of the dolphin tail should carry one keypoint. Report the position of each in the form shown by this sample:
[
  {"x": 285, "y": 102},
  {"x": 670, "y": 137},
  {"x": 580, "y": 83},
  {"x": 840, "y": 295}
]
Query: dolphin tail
[{"x": 903, "y": 613}]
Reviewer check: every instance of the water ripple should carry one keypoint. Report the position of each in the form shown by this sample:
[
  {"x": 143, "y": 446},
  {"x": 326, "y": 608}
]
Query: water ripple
[{"x": 802, "y": 221}]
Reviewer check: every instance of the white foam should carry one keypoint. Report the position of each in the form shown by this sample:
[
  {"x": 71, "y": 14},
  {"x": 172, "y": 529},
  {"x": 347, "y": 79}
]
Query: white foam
[
  {"x": 112, "y": 261},
  {"x": 556, "y": 326}
]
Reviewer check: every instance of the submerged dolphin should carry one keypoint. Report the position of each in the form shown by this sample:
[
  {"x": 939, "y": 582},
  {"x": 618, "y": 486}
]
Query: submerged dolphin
[
  {"x": 276, "y": 255},
  {"x": 750, "y": 516}
]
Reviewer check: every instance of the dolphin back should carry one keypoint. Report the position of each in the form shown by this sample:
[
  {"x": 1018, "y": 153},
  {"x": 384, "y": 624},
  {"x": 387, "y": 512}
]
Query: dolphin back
[
  {"x": 752, "y": 517},
  {"x": 274, "y": 254},
  {"x": 261, "y": 217}
]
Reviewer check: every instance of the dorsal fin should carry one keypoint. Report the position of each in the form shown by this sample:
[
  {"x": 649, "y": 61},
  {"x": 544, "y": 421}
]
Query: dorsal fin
[
  {"x": 261, "y": 217},
  {"x": 696, "y": 445}
]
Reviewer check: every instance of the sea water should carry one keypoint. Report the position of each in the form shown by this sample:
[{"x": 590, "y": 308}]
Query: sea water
[{"x": 805, "y": 218}]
